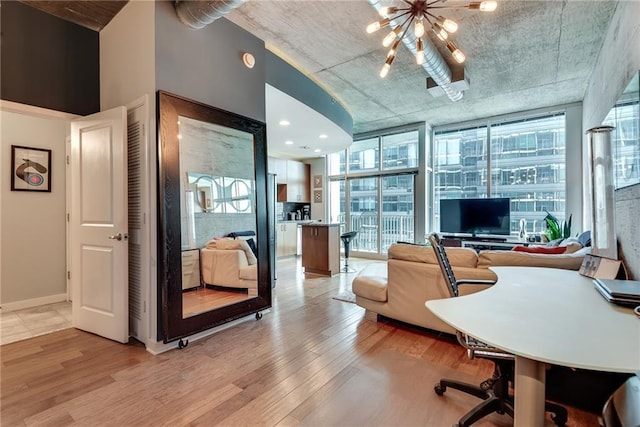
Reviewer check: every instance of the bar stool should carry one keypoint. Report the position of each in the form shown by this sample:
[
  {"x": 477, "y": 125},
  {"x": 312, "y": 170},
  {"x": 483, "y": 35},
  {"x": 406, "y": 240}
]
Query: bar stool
[{"x": 346, "y": 241}]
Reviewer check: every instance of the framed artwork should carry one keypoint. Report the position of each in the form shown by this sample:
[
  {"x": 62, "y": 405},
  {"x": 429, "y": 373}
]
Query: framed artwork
[
  {"x": 30, "y": 169},
  {"x": 317, "y": 181},
  {"x": 317, "y": 196}
]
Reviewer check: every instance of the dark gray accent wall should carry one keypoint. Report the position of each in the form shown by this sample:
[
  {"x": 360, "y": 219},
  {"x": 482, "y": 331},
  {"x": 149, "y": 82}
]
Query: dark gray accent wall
[
  {"x": 289, "y": 80},
  {"x": 206, "y": 65},
  {"x": 48, "y": 62}
]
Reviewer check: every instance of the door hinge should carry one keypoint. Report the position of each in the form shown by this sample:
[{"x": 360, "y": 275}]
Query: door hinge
[
  {"x": 68, "y": 217},
  {"x": 144, "y": 304},
  {"x": 68, "y": 275},
  {"x": 68, "y": 160}
]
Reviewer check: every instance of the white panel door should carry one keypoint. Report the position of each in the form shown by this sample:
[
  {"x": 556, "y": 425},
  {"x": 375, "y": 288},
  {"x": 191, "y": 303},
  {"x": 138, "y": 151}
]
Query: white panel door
[{"x": 99, "y": 249}]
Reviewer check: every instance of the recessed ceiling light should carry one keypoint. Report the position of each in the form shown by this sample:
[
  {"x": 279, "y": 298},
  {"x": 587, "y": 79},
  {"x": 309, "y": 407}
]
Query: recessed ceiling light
[
  {"x": 317, "y": 150},
  {"x": 284, "y": 123},
  {"x": 289, "y": 142},
  {"x": 323, "y": 136}
]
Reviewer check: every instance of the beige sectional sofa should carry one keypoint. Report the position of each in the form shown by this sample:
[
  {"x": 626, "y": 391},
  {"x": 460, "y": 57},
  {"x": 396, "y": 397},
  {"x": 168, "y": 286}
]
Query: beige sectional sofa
[
  {"x": 231, "y": 264},
  {"x": 411, "y": 276}
]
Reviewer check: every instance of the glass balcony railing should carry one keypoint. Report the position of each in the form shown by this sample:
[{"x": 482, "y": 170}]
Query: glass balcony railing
[{"x": 394, "y": 227}]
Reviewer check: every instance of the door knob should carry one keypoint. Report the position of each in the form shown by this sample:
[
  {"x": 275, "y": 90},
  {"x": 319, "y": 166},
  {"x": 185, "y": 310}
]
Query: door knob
[{"x": 116, "y": 237}]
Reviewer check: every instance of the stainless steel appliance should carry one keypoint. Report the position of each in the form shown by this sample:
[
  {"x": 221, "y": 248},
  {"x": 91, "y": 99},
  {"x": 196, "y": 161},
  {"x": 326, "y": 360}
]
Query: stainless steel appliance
[{"x": 271, "y": 217}]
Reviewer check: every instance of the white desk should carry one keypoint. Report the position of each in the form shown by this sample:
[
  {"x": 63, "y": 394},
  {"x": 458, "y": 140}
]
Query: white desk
[{"x": 545, "y": 315}]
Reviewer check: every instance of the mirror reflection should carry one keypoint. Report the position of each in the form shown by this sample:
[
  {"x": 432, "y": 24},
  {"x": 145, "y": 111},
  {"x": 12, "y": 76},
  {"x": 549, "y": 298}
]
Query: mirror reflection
[
  {"x": 625, "y": 118},
  {"x": 218, "y": 220}
]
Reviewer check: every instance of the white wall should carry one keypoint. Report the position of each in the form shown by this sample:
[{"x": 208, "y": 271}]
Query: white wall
[
  {"x": 317, "y": 166},
  {"x": 127, "y": 72},
  {"x": 32, "y": 225},
  {"x": 618, "y": 61}
]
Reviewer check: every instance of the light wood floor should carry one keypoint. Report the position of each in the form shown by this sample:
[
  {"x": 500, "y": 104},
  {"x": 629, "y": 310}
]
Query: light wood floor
[
  {"x": 196, "y": 301},
  {"x": 312, "y": 361}
]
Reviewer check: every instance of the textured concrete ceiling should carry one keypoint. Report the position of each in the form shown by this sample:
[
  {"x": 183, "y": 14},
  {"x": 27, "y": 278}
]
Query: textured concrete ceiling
[{"x": 526, "y": 55}]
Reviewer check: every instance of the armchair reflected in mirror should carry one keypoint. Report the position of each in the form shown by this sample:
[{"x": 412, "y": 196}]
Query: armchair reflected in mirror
[{"x": 212, "y": 177}]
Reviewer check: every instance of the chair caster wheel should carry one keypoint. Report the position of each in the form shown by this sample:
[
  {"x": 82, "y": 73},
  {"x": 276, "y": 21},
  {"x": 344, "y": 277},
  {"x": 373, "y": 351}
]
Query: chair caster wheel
[
  {"x": 258, "y": 316},
  {"x": 559, "y": 420},
  {"x": 439, "y": 389}
]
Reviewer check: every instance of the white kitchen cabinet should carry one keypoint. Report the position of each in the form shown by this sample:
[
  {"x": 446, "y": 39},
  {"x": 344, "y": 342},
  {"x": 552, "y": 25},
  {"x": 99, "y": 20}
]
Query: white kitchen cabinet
[
  {"x": 298, "y": 182},
  {"x": 286, "y": 239}
]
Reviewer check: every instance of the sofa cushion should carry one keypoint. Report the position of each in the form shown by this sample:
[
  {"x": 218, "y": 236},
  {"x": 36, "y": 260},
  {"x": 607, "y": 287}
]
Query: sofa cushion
[
  {"x": 225, "y": 244},
  {"x": 459, "y": 257},
  {"x": 572, "y": 261}
]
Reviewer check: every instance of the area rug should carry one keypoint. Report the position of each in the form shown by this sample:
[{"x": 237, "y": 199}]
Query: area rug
[{"x": 345, "y": 296}]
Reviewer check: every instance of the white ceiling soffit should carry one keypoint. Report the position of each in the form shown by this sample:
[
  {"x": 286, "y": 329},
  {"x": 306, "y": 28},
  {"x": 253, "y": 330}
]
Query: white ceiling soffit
[{"x": 304, "y": 129}]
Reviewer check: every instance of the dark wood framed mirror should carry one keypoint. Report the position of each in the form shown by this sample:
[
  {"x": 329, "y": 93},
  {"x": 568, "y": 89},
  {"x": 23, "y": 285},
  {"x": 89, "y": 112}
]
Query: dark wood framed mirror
[{"x": 212, "y": 172}]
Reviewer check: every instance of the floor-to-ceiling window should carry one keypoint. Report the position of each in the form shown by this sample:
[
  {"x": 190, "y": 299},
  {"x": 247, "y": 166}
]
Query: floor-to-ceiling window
[
  {"x": 522, "y": 159},
  {"x": 371, "y": 189},
  {"x": 624, "y": 116}
]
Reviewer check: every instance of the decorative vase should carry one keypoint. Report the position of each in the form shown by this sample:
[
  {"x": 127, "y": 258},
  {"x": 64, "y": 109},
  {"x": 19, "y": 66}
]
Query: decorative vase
[{"x": 604, "y": 232}]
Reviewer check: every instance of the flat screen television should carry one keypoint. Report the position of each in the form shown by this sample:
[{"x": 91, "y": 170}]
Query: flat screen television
[{"x": 475, "y": 216}]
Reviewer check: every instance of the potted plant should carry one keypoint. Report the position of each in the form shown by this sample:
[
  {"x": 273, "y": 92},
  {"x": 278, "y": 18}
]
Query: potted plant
[{"x": 557, "y": 229}]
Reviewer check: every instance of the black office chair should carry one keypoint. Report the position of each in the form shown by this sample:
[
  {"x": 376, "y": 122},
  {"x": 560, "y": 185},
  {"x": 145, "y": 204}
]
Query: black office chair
[
  {"x": 346, "y": 241},
  {"x": 495, "y": 390}
]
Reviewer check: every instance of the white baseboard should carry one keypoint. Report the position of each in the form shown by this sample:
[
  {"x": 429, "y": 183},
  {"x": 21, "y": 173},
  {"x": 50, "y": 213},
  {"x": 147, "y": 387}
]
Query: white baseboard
[
  {"x": 35, "y": 302},
  {"x": 157, "y": 347}
]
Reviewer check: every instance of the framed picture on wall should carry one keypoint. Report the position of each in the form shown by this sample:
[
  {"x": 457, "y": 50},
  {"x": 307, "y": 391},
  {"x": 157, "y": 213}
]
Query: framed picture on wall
[{"x": 30, "y": 169}]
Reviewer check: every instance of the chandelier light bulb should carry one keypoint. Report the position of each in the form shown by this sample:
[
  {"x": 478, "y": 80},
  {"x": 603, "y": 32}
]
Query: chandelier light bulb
[
  {"x": 418, "y": 28},
  {"x": 387, "y": 66},
  {"x": 420, "y": 52},
  {"x": 386, "y": 42},
  {"x": 386, "y": 11},
  {"x": 440, "y": 32},
  {"x": 459, "y": 56},
  {"x": 488, "y": 6},
  {"x": 448, "y": 24},
  {"x": 375, "y": 26},
  {"x": 394, "y": 49},
  {"x": 385, "y": 70},
  {"x": 455, "y": 52}
]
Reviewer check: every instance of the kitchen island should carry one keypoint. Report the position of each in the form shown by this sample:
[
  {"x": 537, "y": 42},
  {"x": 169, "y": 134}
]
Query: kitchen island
[{"x": 321, "y": 248}]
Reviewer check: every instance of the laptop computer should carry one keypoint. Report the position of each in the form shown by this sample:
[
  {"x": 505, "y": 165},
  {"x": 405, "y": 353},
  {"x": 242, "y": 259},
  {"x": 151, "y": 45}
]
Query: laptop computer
[{"x": 624, "y": 292}]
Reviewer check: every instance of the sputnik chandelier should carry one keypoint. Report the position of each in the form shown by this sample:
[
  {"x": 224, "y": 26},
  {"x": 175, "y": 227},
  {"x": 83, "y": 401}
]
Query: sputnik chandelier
[{"x": 416, "y": 13}]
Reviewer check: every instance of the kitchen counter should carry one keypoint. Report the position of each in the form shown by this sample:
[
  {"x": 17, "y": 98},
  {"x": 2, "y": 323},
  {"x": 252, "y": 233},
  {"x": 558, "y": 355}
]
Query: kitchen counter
[{"x": 321, "y": 248}]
